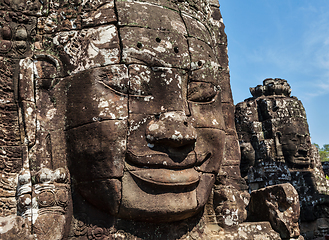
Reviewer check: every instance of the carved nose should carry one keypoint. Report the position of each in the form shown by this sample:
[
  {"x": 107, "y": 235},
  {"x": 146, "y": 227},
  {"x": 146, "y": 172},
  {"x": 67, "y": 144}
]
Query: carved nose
[{"x": 171, "y": 129}]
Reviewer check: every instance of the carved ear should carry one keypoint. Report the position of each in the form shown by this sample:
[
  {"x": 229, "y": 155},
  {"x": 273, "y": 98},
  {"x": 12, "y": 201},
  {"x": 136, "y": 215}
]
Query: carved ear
[
  {"x": 278, "y": 145},
  {"x": 47, "y": 68},
  {"x": 27, "y": 101}
]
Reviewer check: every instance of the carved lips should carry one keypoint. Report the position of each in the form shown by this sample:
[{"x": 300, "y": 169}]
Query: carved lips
[
  {"x": 161, "y": 170},
  {"x": 166, "y": 177}
]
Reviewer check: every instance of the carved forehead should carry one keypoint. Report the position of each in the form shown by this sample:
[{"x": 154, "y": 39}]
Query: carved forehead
[
  {"x": 85, "y": 34},
  {"x": 295, "y": 127}
]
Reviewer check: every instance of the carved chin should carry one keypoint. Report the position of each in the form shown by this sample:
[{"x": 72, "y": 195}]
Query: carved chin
[
  {"x": 144, "y": 200},
  {"x": 158, "y": 198}
]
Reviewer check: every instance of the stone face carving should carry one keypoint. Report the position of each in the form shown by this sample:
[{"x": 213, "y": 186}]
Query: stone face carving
[
  {"x": 122, "y": 108},
  {"x": 117, "y": 122},
  {"x": 276, "y": 147},
  {"x": 272, "y": 129},
  {"x": 150, "y": 137}
]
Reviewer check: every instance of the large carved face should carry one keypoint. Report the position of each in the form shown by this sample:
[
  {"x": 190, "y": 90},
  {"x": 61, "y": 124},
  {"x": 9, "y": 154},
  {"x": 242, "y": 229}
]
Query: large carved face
[
  {"x": 296, "y": 145},
  {"x": 146, "y": 134}
]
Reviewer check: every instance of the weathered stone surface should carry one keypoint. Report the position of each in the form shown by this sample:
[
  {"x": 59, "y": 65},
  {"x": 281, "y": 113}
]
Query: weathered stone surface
[
  {"x": 13, "y": 227},
  {"x": 9, "y": 130},
  {"x": 143, "y": 14},
  {"x": 278, "y": 204},
  {"x": 230, "y": 206},
  {"x": 167, "y": 84},
  {"x": 87, "y": 48},
  {"x": 247, "y": 230},
  {"x": 276, "y": 147},
  {"x": 100, "y": 147},
  {"x": 204, "y": 191},
  {"x": 203, "y": 57},
  {"x": 6, "y": 88},
  {"x": 207, "y": 147},
  {"x": 208, "y": 118},
  {"x": 30, "y": 8},
  {"x": 97, "y": 94},
  {"x": 226, "y": 87},
  {"x": 105, "y": 14},
  {"x": 104, "y": 194},
  {"x": 10, "y": 159},
  {"x": 26, "y": 80},
  {"x": 16, "y": 33},
  {"x": 30, "y": 123},
  {"x": 197, "y": 29},
  {"x": 158, "y": 49},
  {"x": 125, "y": 99},
  {"x": 51, "y": 203},
  {"x": 170, "y": 202}
]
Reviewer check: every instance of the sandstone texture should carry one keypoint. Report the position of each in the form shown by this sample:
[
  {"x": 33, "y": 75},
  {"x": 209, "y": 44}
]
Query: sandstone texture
[
  {"x": 276, "y": 148},
  {"x": 117, "y": 122}
]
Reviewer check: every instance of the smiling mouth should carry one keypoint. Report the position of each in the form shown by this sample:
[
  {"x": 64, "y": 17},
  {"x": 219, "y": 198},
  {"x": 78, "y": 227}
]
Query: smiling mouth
[
  {"x": 166, "y": 161},
  {"x": 301, "y": 160},
  {"x": 167, "y": 177},
  {"x": 160, "y": 170}
]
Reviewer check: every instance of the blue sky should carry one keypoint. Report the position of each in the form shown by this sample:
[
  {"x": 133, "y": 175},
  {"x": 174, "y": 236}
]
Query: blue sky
[{"x": 286, "y": 39}]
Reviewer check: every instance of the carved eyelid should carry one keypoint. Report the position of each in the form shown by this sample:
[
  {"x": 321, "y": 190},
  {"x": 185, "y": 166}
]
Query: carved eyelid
[
  {"x": 207, "y": 102},
  {"x": 123, "y": 93},
  {"x": 205, "y": 97},
  {"x": 112, "y": 89}
]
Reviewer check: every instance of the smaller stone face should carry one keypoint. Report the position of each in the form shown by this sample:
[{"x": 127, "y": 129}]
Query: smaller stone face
[
  {"x": 272, "y": 127},
  {"x": 248, "y": 157},
  {"x": 276, "y": 147},
  {"x": 296, "y": 144},
  {"x": 278, "y": 204}
]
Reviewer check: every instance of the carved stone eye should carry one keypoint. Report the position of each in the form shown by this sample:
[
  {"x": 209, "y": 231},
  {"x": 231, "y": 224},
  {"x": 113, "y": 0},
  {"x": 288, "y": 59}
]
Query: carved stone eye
[{"x": 201, "y": 92}]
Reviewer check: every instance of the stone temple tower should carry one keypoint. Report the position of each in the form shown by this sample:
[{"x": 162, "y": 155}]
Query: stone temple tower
[{"x": 276, "y": 148}]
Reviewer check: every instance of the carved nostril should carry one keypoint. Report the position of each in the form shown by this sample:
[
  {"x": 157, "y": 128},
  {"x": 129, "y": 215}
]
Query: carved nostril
[{"x": 171, "y": 129}]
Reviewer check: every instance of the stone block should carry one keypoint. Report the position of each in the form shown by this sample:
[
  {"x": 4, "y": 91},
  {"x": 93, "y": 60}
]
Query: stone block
[
  {"x": 142, "y": 14},
  {"x": 163, "y": 90},
  {"x": 162, "y": 205},
  {"x": 97, "y": 150},
  {"x": 209, "y": 148},
  {"x": 9, "y": 128},
  {"x": 154, "y": 48},
  {"x": 278, "y": 204},
  {"x": 103, "y": 194},
  {"x": 103, "y": 15},
  {"x": 87, "y": 48},
  {"x": 97, "y": 94}
]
